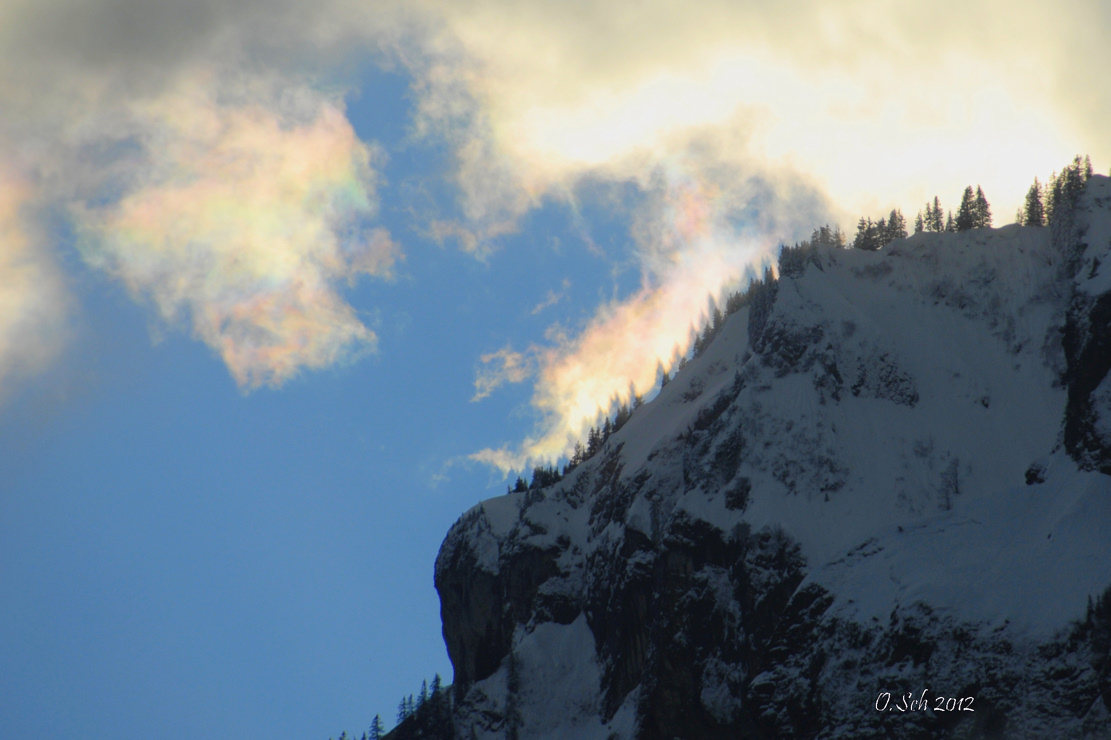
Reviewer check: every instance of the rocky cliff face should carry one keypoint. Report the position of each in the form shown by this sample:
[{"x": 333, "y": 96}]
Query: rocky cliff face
[
  {"x": 1087, "y": 430},
  {"x": 887, "y": 475}
]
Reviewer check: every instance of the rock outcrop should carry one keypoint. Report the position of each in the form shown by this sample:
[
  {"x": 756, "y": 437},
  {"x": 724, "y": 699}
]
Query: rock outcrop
[{"x": 886, "y": 478}]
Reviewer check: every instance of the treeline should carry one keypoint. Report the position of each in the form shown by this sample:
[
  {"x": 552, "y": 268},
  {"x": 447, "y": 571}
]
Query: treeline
[
  {"x": 546, "y": 475},
  {"x": 1062, "y": 190},
  {"x": 974, "y": 212},
  {"x": 427, "y": 716},
  {"x": 873, "y": 235},
  {"x": 791, "y": 260}
]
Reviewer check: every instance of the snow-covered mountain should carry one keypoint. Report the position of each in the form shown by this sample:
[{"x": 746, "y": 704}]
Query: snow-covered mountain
[{"x": 888, "y": 474}]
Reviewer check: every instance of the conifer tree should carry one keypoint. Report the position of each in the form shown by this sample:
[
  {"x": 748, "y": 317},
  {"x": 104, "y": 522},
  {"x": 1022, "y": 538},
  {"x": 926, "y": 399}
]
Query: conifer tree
[
  {"x": 579, "y": 455},
  {"x": 982, "y": 210},
  {"x": 376, "y": 728},
  {"x": 950, "y": 484},
  {"x": 966, "y": 212},
  {"x": 1065, "y": 189},
  {"x": 866, "y": 235},
  {"x": 896, "y": 226},
  {"x": 934, "y": 218},
  {"x": 402, "y": 711},
  {"x": 919, "y": 223},
  {"x": 623, "y": 415},
  {"x": 593, "y": 442},
  {"x": 1033, "y": 213},
  {"x": 950, "y": 224}
]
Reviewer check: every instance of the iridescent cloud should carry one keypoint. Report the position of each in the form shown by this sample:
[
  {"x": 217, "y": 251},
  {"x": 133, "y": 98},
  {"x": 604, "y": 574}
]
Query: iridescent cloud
[
  {"x": 870, "y": 105},
  {"x": 243, "y": 216},
  {"x": 34, "y": 304},
  {"x": 697, "y": 241},
  {"x": 503, "y": 366}
]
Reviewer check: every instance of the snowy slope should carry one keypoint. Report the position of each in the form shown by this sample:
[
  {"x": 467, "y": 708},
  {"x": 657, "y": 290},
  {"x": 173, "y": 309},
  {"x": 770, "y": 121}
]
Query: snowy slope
[{"x": 873, "y": 452}]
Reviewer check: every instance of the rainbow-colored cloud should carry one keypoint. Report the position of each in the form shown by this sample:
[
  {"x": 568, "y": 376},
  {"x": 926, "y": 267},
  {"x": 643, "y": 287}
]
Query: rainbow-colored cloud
[
  {"x": 34, "y": 304},
  {"x": 692, "y": 251},
  {"x": 244, "y": 217}
]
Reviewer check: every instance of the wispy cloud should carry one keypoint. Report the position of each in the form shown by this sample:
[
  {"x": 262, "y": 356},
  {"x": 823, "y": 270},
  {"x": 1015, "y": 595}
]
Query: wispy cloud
[
  {"x": 698, "y": 238},
  {"x": 503, "y": 366},
  {"x": 552, "y": 298},
  {"x": 34, "y": 304},
  {"x": 244, "y": 212}
]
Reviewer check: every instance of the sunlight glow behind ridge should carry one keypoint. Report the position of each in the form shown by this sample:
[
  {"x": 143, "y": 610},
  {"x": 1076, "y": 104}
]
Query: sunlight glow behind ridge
[
  {"x": 697, "y": 254},
  {"x": 868, "y": 109}
]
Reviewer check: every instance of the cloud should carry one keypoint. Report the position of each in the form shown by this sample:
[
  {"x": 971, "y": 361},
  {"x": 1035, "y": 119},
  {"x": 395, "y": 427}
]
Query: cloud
[
  {"x": 151, "y": 114},
  {"x": 836, "y": 110},
  {"x": 552, "y": 298},
  {"x": 882, "y": 105},
  {"x": 699, "y": 237},
  {"x": 244, "y": 207},
  {"x": 203, "y": 153},
  {"x": 503, "y": 366},
  {"x": 34, "y": 304}
]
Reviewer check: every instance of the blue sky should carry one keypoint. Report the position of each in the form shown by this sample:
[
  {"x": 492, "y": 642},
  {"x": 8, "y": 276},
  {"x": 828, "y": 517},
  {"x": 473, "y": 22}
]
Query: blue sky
[
  {"x": 285, "y": 289},
  {"x": 183, "y": 558}
]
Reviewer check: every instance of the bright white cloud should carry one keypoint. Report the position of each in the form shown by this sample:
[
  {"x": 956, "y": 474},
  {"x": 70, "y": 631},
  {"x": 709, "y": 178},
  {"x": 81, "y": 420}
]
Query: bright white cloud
[
  {"x": 881, "y": 104},
  {"x": 867, "y": 105}
]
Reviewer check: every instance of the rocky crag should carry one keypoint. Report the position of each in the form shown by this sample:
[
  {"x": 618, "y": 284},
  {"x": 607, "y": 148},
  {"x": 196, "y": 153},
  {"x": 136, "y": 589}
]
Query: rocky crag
[{"x": 886, "y": 476}]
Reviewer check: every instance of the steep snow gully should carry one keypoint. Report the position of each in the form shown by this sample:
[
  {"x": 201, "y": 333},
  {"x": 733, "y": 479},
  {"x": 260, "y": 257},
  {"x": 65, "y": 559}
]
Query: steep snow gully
[{"x": 888, "y": 476}]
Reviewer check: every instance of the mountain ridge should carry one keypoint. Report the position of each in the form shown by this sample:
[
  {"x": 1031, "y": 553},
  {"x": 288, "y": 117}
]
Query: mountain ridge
[{"x": 887, "y": 473}]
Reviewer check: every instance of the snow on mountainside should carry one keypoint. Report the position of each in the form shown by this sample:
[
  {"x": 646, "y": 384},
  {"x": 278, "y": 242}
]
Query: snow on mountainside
[{"x": 887, "y": 473}]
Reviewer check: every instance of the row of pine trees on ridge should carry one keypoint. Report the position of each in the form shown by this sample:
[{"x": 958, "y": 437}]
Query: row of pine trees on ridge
[{"x": 974, "y": 212}]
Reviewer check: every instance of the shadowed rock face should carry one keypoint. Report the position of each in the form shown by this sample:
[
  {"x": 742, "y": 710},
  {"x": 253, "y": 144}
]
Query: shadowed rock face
[
  {"x": 480, "y": 609},
  {"x": 1087, "y": 344},
  {"x": 1083, "y": 235},
  {"x": 712, "y": 613}
]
